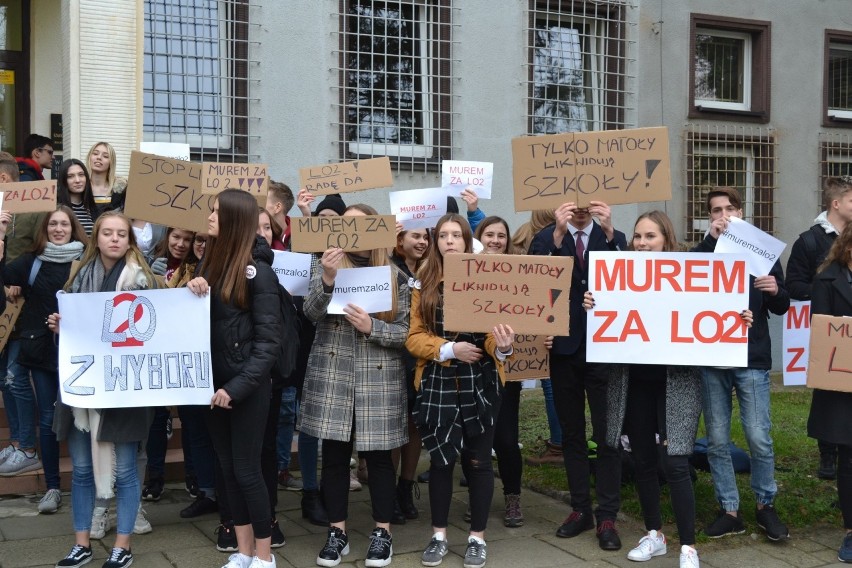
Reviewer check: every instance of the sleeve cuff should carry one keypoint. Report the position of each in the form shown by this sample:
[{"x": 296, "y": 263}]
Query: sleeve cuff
[
  {"x": 502, "y": 356},
  {"x": 446, "y": 353}
]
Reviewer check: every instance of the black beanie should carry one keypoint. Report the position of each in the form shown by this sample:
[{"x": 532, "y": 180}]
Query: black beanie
[{"x": 333, "y": 202}]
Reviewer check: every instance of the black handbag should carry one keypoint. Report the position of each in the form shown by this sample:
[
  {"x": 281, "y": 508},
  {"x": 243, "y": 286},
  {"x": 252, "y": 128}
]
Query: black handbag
[{"x": 38, "y": 349}]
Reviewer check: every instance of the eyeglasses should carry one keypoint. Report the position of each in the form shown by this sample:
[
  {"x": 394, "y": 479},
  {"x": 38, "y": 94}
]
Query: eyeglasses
[
  {"x": 201, "y": 241},
  {"x": 48, "y": 150}
]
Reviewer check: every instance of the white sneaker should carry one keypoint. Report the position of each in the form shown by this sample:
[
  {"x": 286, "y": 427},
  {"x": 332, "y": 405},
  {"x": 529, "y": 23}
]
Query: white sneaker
[
  {"x": 238, "y": 560},
  {"x": 50, "y": 502},
  {"x": 258, "y": 563},
  {"x": 141, "y": 525},
  {"x": 688, "y": 557},
  {"x": 651, "y": 545},
  {"x": 6, "y": 452},
  {"x": 19, "y": 462},
  {"x": 100, "y": 523}
]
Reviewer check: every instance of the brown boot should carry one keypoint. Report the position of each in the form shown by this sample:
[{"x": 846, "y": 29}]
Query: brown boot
[{"x": 552, "y": 454}]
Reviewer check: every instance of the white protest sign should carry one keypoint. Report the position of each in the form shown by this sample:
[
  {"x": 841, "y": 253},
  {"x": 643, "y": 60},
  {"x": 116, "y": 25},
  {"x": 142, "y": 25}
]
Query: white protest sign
[
  {"x": 456, "y": 175},
  {"x": 293, "y": 270},
  {"x": 127, "y": 349},
  {"x": 176, "y": 150},
  {"x": 418, "y": 208},
  {"x": 368, "y": 288},
  {"x": 743, "y": 237},
  {"x": 669, "y": 308},
  {"x": 796, "y": 339}
]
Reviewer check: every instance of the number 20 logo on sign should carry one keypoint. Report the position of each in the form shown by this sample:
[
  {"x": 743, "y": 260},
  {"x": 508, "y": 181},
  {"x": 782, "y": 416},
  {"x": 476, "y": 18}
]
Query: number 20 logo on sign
[{"x": 126, "y": 334}]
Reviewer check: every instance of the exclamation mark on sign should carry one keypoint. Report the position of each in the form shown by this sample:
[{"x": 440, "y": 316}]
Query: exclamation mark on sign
[
  {"x": 241, "y": 180},
  {"x": 650, "y": 166},
  {"x": 355, "y": 165},
  {"x": 554, "y": 294}
]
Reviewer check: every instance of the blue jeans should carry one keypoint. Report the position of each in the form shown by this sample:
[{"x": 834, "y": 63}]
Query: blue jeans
[
  {"x": 127, "y": 487},
  {"x": 552, "y": 418},
  {"x": 46, "y": 390},
  {"x": 22, "y": 390},
  {"x": 9, "y": 402},
  {"x": 286, "y": 425},
  {"x": 752, "y": 388}
]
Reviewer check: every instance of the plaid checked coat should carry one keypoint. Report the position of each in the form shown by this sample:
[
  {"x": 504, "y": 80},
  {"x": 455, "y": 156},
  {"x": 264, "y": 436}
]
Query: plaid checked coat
[{"x": 353, "y": 379}]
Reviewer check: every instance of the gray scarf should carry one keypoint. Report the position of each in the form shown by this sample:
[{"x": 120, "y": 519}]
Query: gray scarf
[
  {"x": 61, "y": 254},
  {"x": 94, "y": 278}
]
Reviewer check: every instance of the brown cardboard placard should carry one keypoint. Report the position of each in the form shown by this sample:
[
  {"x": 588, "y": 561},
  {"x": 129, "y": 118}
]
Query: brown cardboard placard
[
  {"x": 345, "y": 177},
  {"x": 613, "y": 166},
  {"x": 29, "y": 196},
  {"x": 167, "y": 191},
  {"x": 357, "y": 233},
  {"x": 531, "y": 359},
  {"x": 251, "y": 178},
  {"x": 529, "y": 293},
  {"x": 830, "y": 359},
  {"x": 8, "y": 319}
]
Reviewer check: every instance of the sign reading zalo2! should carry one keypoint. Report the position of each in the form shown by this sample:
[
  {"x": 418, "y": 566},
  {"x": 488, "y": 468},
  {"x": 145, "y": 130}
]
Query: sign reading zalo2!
[{"x": 138, "y": 353}]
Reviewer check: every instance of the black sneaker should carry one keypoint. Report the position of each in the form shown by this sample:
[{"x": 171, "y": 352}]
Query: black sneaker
[
  {"x": 381, "y": 549},
  {"x": 767, "y": 519},
  {"x": 336, "y": 546},
  {"x": 78, "y": 556},
  {"x": 725, "y": 525},
  {"x": 119, "y": 558},
  {"x": 153, "y": 490},
  {"x": 201, "y": 506},
  {"x": 577, "y": 522},
  {"x": 226, "y": 538},
  {"x": 277, "y": 536},
  {"x": 191, "y": 485},
  {"x": 827, "y": 465}
]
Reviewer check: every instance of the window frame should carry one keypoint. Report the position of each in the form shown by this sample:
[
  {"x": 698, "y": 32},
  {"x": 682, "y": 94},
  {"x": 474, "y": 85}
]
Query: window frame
[
  {"x": 834, "y": 39},
  {"x": 746, "y": 59},
  {"x": 757, "y": 72}
]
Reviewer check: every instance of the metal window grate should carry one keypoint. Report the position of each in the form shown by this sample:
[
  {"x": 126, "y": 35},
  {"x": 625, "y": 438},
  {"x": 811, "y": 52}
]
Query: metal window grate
[
  {"x": 395, "y": 75},
  {"x": 720, "y": 66},
  {"x": 840, "y": 76},
  {"x": 579, "y": 66},
  {"x": 835, "y": 160},
  {"x": 727, "y": 155},
  {"x": 197, "y": 77}
]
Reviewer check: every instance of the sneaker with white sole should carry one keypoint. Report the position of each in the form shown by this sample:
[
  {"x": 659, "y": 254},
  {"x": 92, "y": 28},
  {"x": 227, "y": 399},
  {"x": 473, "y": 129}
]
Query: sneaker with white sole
[
  {"x": 336, "y": 546},
  {"x": 259, "y": 563},
  {"x": 119, "y": 558},
  {"x": 141, "y": 525},
  {"x": 651, "y": 545},
  {"x": 474, "y": 554},
  {"x": 50, "y": 502},
  {"x": 238, "y": 561},
  {"x": 101, "y": 523},
  {"x": 688, "y": 557},
  {"x": 435, "y": 551},
  {"x": 18, "y": 463},
  {"x": 78, "y": 556},
  {"x": 380, "y": 552},
  {"x": 7, "y": 452}
]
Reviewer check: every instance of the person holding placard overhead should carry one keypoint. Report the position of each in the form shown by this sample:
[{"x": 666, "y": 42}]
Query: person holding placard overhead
[
  {"x": 831, "y": 411},
  {"x": 354, "y": 394},
  {"x": 573, "y": 379},
  {"x": 767, "y": 295},
  {"x": 458, "y": 377}
]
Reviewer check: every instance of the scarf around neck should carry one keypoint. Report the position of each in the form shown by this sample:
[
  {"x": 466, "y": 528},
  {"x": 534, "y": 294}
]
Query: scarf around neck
[{"x": 61, "y": 254}]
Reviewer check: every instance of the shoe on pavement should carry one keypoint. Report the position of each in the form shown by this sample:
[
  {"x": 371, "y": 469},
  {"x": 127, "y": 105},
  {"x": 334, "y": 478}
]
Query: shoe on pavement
[
  {"x": 239, "y": 561},
  {"x": 423, "y": 477},
  {"x": 688, "y": 557},
  {"x": 725, "y": 525},
  {"x": 190, "y": 483},
  {"x": 141, "y": 524},
  {"x": 277, "y": 536},
  {"x": 257, "y": 562},
  {"x": 552, "y": 454},
  {"x": 474, "y": 554},
  {"x": 577, "y": 522},
  {"x": 354, "y": 484},
  {"x": 201, "y": 506},
  {"x": 153, "y": 490},
  {"x": 844, "y": 554},
  {"x": 226, "y": 538},
  {"x": 101, "y": 523},
  {"x": 435, "y": 551},
  {"x": 767, "y": 519},
  {"x": 651, "y": 545},
  {"x": 336, "y": 547},
  {"x": 288, "y": 482},
  {"x": 312, "y": 508},
  {"x": 380, "y": 552},
  {"x": 608, "y": 538},
  {"x": 78, "y": 556},
  {"x": 19, "y": 462},
  {"x": 119, "y": 558},
  {"x": 513, "y": 518},
  {"x": 50, "y": 502}
]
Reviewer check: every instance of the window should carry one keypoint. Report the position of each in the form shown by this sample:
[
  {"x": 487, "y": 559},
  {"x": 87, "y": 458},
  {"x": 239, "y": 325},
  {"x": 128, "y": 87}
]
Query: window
[
  {"x": 734, "y": 156},
  {"x": 578, "y": 66},
  {"x": 835, "y": 160},
  {"x": 729, "y": 68},
  {"x": 837, "y": 98},
  {"x": 395, "y": 78},
  {"x": 196, "y": 76}
]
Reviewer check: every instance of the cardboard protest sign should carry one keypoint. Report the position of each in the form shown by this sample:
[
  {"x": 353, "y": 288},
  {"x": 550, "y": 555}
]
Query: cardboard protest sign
[
  {"x": 8, "y": 319},
  {"x": 167, "y": 191},
  {"x": 293, "y": 270},
  {"x": 368, "y": 288},
  {"x": 529, "y": 293},
  {"x": 457, "y": 175},
  {"x": 418, "y": 208},
  {"x": 363, "y": 232},
  {"x": 613, "y": 166},
  {"x": 669, "y": 308},
  {"x": 140, "y": 355},
  {"x": 346, "y": 177},
  {"x": 251, "y": 178},
  {"x": 830, "y": 359},
  {"x": 531, "y": 359},
  {"x": 176, "y": 150},
  {"x": 29, "y": 196},
  {"x": 762, "y": 249},
  {"x": 796, "y": 338}
]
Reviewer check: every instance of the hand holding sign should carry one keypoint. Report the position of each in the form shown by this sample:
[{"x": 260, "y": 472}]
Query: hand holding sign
[
  {"x": 475, "y": 176},
  {"x": 330, "y": 262},
  {"x": 504, "y": 336},
  {"x": 359, "y": 319},
  {"x": 762, "y": 249}
]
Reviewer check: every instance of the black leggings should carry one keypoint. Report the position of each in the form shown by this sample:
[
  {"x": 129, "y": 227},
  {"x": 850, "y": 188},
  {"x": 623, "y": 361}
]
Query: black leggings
[
  {"x": 237, "y": 436},
  {"x": 645, "y": 418},
  {"x": 335, "y": 480},
  {"x": 844, "y": 483},
  {"x": 268, "y": 452},
  {"x": 509, "y": 461}
]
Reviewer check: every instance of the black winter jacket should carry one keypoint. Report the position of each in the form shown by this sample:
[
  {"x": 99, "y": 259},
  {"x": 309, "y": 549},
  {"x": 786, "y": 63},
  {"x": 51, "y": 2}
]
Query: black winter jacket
[
  {"x": 804, "y": 261},
  {"x": 245, "y": 343},
  {"x": 41, "y": 297}
]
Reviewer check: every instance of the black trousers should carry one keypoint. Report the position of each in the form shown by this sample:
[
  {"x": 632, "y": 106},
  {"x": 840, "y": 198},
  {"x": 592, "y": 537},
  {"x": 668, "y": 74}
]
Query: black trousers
[
  {"x": 509, "y": 461},
  {"x": 335, "y": 480},
  {"x": 844, "y": 483},
  {"x": 573, "y": 380}
]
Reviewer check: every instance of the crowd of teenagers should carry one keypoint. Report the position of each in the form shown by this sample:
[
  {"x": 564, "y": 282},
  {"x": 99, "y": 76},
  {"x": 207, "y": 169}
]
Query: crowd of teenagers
[{"x": 386, "y": 385}]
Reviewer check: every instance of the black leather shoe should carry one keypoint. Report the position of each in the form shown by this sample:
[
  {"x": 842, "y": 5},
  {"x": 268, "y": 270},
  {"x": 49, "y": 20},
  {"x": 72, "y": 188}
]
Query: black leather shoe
[
  {"x": 608, "y": 536},
  {"x": 313, "y": 510},
  {"x": 201, "y": 506},
  {"x": 397, "y": 518},
  {"x": 827, "y": 466},
  {"x": 577, "y": 522}
]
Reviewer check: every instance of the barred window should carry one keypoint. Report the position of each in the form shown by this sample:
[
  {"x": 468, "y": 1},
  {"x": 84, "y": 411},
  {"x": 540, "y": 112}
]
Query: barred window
[
  {"x": 196, "y": 76},
  {"x": 579, "y": 60},
  {"x": 835, "y": 160},
  {"x": 837, "y": 101},
  {"x": 742, "y": 157},
  {"x": 395, "y": 77}
]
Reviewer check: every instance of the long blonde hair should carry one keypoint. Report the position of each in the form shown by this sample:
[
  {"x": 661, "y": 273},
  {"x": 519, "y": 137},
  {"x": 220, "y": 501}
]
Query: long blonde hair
[{"x": 111, "y": 171}]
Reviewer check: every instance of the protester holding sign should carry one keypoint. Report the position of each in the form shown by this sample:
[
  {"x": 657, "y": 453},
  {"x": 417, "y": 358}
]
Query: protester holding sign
[
  {"x": 23, "y": 226},
  {"x": 767, "y": 295},
  {"x": 573, "y": 379},
  {"x": 74, "y": 189},
  {"x": 38, "y": 275},
  {"x": 245, "y": 341},
  {"x": 831, "y": 411},
  {"x": 107, "y": 188},
  {"x": 458, "y": 377},
  {"x": 103, "y": 443},
  {"x": 354, "y": 393}
]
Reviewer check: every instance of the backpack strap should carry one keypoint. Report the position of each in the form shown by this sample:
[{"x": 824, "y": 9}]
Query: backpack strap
[{"x": 34, "y": 271}]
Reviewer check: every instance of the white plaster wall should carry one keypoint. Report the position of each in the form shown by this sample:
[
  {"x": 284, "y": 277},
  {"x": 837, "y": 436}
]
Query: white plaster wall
[{"x": 46, "y": 64}]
